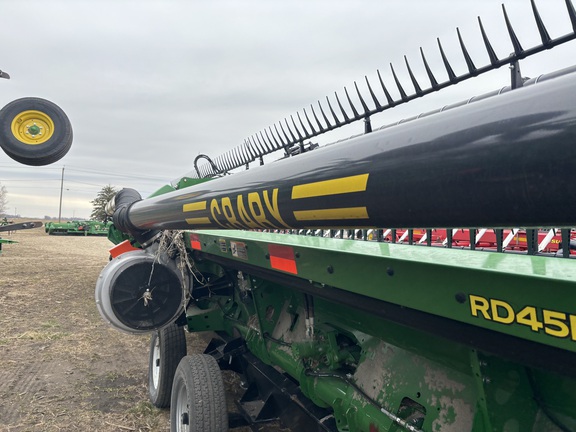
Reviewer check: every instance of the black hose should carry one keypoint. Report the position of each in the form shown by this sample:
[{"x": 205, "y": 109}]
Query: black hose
[{"x": 122, "y": 203}]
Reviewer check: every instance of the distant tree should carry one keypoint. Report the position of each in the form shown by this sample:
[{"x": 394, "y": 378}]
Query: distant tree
[
  {"x": 3, "y": 199},
  {"x": 99, "y": 203}
]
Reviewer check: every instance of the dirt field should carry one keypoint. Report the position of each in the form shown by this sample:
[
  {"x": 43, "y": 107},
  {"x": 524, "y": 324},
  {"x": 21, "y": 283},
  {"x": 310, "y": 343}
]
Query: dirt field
[{"x": 63, "y": 368}]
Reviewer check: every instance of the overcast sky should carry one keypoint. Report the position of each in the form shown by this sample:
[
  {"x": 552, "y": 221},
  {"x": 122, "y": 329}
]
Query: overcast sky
[{"x": 148, "y": 85}]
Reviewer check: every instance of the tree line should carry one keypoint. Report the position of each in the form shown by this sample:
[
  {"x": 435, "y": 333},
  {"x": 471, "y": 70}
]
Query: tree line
[{"x": 98, "y": 204}]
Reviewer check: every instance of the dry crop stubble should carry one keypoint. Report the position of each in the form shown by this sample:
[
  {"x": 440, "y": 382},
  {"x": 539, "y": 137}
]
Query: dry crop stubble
[{"x": 64, "y": 369}]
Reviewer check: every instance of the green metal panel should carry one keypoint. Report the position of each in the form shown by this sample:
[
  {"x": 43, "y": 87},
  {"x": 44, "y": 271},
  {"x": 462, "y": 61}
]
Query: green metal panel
[
  {"x": 376, "y": 374},
  {"x": 523, "y": 296}
]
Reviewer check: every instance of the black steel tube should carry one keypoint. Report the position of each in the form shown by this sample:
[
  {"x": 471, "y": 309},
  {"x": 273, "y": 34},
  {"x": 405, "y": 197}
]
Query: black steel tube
[
  {"x": 123, "y": 201},
  {"x": 505, "y": 161}
]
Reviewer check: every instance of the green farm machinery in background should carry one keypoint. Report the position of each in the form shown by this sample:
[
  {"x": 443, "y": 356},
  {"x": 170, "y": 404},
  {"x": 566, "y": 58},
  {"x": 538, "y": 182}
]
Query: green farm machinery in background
[
  {"x": 10, "y": 226},
  {"x": 418, "y": 277},
  {"x": 78, "y": 227}
]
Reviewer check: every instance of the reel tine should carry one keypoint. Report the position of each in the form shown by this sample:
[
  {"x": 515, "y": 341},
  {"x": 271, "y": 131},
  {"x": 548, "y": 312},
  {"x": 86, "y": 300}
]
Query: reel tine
[
  {"x": 389, "y": 99},
  {"x": 294, "y": 140},
  {"x": 264, "y": 144},
  {"x": 238, "y": 153},
  {"x": 540, "y": 24},
  {"x": 221, "y": 162},
  {"x": 518, "y": 51},
  {"x": 280, "y": 137},
  {"x": 236, "y": 158},
  {"x": 217, "y": 161},
  {"x": 250, "y": 155},
  {"x": 309, "y": 122},
  {"x": 328, "y": 125},
  {"x": 245, "y": 155},
  {"x": 350, "y": 102},
  {"x": 260, "y": 150},
  {"x": 211, "y": 166},
  {"x": 246, "y": 158},
  {"x": 306, "y": 133},
  {"x": 268, "y": 143},
  {"x": 491, "y": 54},
  {"x": 277, "y": 145},
  {"x": 255, "y": 150},
  {"x": 364, "y": 106},
  {"x": 333, "y": 113},
  {"x": 431, "y": 77},
  {"x": 417, "y": 88},
  {"x": 471, "y": 68},
  {"x": 229, "y": 161},
  {"x": 316, "y": 118},
  {"x": 297, "y": 130},
  {"x": 400, "y": 89},
  {"x": 346, "y": 119},
  {"x": 203, "y": 171},
  {"x": 285, "y": 136},
  {"x": 571, "y": 14},
  {"x": 250, "y": 148},
  {"x": 449, "y": 70},
  {"x": 378, "y": 106},
  {"x": 264, "y": 147}
]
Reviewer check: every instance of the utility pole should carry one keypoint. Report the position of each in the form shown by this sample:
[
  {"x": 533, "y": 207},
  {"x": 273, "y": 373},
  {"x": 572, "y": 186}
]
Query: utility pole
[{"x": 61, "y": 190}]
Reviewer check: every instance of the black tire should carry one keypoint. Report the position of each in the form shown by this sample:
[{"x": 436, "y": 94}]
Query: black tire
[
  {"x": 34, "y": 114},
  {"x": 167, "y": 348},
  {"x": 198, "y": 398}
]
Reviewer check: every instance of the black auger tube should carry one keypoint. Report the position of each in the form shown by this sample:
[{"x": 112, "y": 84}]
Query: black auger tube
[
  {"x": 123, "y": 200},
  {"x": 505, "y": 161}
]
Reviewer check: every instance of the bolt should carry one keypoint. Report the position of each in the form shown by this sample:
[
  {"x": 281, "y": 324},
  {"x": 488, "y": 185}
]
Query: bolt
[
  {"x": 460, "y": 297},
  {"x": 390, "y": 271},
  {"x": 184, "y": 419},
  {"x": 330, "y": 269}
]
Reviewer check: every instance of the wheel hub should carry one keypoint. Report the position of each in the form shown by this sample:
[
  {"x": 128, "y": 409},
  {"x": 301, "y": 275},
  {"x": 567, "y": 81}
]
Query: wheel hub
[{"x": 32, "y": 127}]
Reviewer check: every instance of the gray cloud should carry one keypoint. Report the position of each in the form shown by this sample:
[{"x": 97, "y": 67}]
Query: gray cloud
[{"x": 148, "y": 85}]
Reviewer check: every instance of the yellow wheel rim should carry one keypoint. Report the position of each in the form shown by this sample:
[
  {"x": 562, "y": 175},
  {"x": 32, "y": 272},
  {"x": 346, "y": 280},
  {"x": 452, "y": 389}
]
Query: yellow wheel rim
[{"x": 32, "y": 127}]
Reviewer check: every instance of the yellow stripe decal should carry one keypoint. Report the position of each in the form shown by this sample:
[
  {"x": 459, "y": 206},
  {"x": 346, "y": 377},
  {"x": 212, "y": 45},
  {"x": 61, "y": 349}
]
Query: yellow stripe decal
[
  {"x": 331, "y": 187},
  {"x": 332, "y": 214},
  {"x": 199, "y": 221},
  {"x": 201, "y": 205}
]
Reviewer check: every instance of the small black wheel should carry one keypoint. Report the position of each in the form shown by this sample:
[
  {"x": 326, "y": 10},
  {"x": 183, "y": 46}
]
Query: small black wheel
[
  {"x": 34, "y": 131},
  {"x": 198, "y": 398},
  {"x": 167, "y": 347}
]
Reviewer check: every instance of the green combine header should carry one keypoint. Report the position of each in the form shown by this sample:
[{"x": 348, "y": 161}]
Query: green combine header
[
  {"x": 418, "y": 277},
  {"x": 83, "y": 227}
]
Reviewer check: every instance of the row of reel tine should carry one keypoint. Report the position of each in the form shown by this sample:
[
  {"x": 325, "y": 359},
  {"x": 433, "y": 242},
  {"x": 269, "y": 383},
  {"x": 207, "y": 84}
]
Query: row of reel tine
[{"x": 283, "y": 136}]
